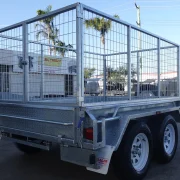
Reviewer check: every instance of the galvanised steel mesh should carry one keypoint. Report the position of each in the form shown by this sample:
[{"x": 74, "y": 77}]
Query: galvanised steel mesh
[
  {"x": 77, "y": 54},
  {"x": 126, "y": 63}
]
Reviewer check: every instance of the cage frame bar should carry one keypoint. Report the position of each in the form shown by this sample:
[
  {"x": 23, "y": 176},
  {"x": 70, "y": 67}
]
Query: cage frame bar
[
  {"x": 25, "y": 63},
  {"x": 159, "y": 65}
]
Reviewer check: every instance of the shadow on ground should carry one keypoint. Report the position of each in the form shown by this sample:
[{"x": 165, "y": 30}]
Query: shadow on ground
[{"x": 47, "y": 166}]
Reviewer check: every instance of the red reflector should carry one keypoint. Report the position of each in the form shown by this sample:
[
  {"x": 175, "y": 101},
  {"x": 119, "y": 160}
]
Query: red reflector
[{"x": 88, "y": 133}]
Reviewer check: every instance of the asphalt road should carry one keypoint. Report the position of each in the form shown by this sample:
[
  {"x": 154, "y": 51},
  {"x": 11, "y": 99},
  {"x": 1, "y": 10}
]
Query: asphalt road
[{"x": 47, "y": 166}]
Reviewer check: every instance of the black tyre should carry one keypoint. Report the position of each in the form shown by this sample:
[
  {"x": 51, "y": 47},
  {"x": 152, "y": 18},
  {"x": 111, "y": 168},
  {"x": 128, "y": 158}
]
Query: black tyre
[
  {"x": 27, "y": 149},
  {"x": 131, "y": 161},
  {"x": 167, "y": 140}
]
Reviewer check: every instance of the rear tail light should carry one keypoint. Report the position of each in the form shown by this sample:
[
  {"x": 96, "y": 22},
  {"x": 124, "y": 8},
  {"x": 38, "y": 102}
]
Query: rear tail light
[{"x": 88, "y": 133}]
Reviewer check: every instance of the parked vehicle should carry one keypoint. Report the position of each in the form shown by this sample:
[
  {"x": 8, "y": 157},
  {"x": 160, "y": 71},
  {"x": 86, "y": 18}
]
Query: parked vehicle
[
  {"x": 115, "y": 88},
  {"x": 92, "y": 131},
  {"x": 94, "y": 86}
]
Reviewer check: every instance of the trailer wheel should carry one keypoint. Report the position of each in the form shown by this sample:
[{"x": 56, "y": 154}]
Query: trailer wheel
[
  {"x": 167, "y": 140},
  {"x": 27, "y": 149},
  {"x": 132, "y": 159}
]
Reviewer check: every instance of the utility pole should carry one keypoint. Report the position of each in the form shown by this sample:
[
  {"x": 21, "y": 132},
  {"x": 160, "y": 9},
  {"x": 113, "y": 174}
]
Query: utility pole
[
  {"x": 138, "y": 15},
  {"x": 139, "y": 58},
  {"x": 138, "y": 22}
]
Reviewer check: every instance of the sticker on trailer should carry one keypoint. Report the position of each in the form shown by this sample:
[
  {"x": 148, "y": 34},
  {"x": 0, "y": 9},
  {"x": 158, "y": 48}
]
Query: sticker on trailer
[
  {"x": 103, "y": 159},
  {"x": 101, "y": 162}
]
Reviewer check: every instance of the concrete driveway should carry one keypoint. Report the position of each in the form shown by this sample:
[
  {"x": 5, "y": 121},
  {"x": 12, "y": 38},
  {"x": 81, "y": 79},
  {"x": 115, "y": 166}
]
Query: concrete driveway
[{"x": 47, "y": 166}]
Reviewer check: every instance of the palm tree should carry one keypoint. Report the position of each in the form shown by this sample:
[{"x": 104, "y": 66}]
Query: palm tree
[
  {"x": 88, "y": 72},
  {"x": 101, "y": 25},
  {"x": 65, "y": 48},
  {"x": 47, "y": 28},
  {"x": 50, "y": 32}
]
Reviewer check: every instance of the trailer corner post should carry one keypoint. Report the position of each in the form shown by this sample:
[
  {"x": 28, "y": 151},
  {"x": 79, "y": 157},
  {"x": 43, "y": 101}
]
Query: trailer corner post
[
  {"x": 178, "y": 70},
  {"x": 138, "y": 74},
  {"x": 158, "y": 64},
  {"x": 129, "y": 60},
  {"x": 25, "y": 63},
  {"x": 104, "y": 76},
  {"x": 42, "y": 74},
  {"x": 80, "y": 54}
]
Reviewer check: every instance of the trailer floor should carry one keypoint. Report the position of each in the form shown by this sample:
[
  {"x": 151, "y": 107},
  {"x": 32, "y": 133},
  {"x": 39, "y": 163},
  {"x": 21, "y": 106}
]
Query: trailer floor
[
  {"x": 47, "y": 166},
  {"x": 72, "y": 101}
]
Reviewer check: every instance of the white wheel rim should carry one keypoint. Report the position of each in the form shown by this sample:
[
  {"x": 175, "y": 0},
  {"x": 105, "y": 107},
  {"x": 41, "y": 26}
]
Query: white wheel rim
[
  {"x": 140, "y": 151},
  {"x": 169, "y": 139}
]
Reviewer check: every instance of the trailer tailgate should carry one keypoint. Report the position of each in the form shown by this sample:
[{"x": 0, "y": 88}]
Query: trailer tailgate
[{"x": 38, "y": 119}]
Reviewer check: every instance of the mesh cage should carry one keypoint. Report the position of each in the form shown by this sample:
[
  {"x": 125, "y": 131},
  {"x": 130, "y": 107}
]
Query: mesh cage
[
  {"x": 168, "y": 69},
  {"x": 123, "y": 62},
  {"x": 79, "y": 55},
  {"x": 52, "y": 44},
  {"x": 38, "y": 59},
  {"x": 11, "y": 55},
  {"x": 144, "y": 61}
]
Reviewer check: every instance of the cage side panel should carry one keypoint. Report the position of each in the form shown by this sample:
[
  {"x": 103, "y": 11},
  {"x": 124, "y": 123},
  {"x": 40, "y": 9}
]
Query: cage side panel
[
  {"x": 52, "y": 45},
  {"x": 11, "y": 55},
  {"x": 144, "y": 72},
  {"x": 168, "y": 69},
  {"x": 105, "y": 70},
  {"x": 107, "y": 64}
]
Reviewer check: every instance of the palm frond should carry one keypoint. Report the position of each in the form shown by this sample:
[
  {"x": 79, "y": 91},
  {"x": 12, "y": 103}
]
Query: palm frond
[
  {"x": 56, "y": 31},
  {"x": 40, "y": 25},
  {"x": 42, "y": 12},
  {"x": 69, "y": 46},
  {"x": 50, "y": 32},
  {"x": 93, "y": 23},
  {"x": 41, "y": 32},
  {"x": 52, "y": 25},
  {"x": 100, "y": 24},
  {"x": 117, "y": 16},
  {"x": 48, "y": 9},
  {"x": 63, "y": 48}
]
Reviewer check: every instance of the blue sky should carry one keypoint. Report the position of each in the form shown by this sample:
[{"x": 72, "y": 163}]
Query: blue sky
[{"x": 161, "y": 17}]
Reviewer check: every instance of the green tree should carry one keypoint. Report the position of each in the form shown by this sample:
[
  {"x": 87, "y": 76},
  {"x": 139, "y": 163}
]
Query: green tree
[
  {"x": 116, "y": 75},
  {"x": 65, "y": 48},
  {"x": 50, "y": 32},
  {"x": 47, "y": 28},
  {"x": 88, "y": 72},
  {"x": 101, "y": 25},
  {"x": 120, "y": 74}
]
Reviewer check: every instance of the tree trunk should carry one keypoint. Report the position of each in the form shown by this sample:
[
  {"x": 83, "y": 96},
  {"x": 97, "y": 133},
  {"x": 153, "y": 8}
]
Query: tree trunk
[
  {"x": 49, "y": 31},
  {"x": 103, "y": 39},
  {"x": 62, "y": 54},
  {"x": 49, "y": 44},
  {"x": 104, "y": 66},
  {"x": 54, "y": 48}
]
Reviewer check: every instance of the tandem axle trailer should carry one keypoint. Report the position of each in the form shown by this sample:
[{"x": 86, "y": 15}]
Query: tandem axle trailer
[{"x": 124, "y": 128}]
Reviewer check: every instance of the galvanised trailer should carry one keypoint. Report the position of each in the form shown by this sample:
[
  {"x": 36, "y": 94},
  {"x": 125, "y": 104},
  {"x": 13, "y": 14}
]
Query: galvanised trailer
[{"x": 91, "y": 131}]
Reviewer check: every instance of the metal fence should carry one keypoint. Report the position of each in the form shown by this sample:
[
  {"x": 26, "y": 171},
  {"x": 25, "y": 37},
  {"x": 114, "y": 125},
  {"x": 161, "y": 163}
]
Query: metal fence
[
  {"x": 39, "y": 58},
  {"x": 79, "y": 55},
  {"x": 128, "y": 63}
]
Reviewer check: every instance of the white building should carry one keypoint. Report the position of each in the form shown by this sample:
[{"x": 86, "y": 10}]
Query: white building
[{"x": 59, "y": 74}]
